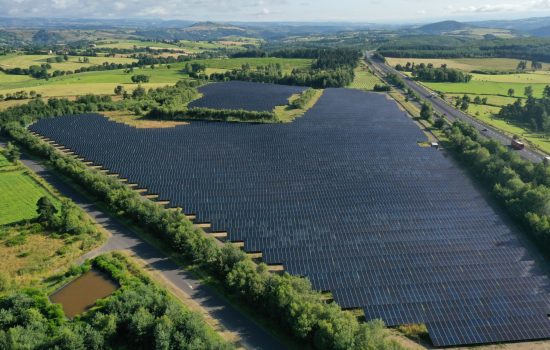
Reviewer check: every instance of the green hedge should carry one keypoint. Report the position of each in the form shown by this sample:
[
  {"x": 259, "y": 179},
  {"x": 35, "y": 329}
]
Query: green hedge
[
  {"x": 287, "y": 300},
  {"x": 210, "y": 114}
]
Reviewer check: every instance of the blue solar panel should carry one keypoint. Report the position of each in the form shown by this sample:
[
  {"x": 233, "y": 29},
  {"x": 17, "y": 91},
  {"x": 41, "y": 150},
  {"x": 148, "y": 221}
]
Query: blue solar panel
[{"x": 346, "y": 197}]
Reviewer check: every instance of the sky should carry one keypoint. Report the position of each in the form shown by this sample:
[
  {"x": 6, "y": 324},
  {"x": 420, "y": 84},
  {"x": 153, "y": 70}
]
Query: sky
[{"x": 367, "y": 11}]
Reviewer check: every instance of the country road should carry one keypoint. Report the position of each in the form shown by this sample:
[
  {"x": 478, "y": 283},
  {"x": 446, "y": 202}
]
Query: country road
[
  {"x": 252, "y": 335},
  {"x": 451, "y": 113}
]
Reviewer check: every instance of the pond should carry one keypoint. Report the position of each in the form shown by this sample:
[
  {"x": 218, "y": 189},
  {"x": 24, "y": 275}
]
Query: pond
[{"x": 82, "y": 293}]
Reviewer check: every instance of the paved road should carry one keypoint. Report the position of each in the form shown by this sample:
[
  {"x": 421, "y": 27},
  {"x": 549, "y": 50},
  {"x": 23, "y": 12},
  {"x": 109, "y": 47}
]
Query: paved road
[
  {"x": 443, "y": 108},
  {"x": 252, "y": 335}
]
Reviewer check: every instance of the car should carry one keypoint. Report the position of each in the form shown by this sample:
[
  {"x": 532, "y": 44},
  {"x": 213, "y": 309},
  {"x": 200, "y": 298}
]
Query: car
[{"x": 484, "y": 130}]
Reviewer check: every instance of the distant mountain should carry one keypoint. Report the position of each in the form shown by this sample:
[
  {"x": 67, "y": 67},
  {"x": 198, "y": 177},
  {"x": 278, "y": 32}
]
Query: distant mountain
[
  {"x": 197, "y": 31},
  {"x": 444, "y": 27},
  {"x": 525, "y": 25},
  {"x": 541, "y": 32}
]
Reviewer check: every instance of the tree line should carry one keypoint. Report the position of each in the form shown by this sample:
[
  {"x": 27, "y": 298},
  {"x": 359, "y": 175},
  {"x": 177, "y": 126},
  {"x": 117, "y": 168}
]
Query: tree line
[
  {"x": 428, "y": 46},
  {"x": 427, "y": 72},
  {"x": 285, "y": 300}
]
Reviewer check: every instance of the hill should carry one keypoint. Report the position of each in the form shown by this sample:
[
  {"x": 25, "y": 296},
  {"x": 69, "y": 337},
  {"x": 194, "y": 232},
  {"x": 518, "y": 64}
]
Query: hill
[
  {"x": 444, "y": 27},
  {"x": 541, "y": 32},
  {"x": 521, "y": 25},
  {"x": 197, "y": 31}
]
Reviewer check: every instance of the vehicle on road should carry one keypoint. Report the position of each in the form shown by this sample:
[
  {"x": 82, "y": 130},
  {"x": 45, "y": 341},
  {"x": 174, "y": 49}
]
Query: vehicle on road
[{"x": 517, "y": 145}]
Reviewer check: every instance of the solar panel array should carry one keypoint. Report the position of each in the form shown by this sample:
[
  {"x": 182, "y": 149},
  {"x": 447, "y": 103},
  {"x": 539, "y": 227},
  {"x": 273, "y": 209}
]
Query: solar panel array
[
  {"x": 346, "y": 197},
  {"x": 245, "y": 95}
]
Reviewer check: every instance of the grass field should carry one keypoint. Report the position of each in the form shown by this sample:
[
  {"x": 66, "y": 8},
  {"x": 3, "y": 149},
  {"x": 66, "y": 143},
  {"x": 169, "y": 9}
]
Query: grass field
[
  {"x": 364, "y": 79},
  {"x": 466, "y": 64},
  {"x": 233, "y": 63},
  {"x": 25, "y": 61},
  {"x": 19, "y": 194},
  {"x": 492, "y": 100},
  {"x": 495, "y": 85},
  {"x": 104, "y": 82},
  {"x": 28, "y": 255}
]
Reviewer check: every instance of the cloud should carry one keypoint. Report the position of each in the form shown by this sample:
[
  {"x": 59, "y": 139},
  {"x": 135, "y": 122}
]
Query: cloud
[{"x": 505, "y": 7}]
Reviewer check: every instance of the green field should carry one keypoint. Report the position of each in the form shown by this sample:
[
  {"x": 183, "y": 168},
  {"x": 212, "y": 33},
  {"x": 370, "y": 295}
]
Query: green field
[
  {"x": 482, "y": 84},
  {"x": 25, "y": 61},
  {"x": 233, "y": 63},
  {"x": 492, "y": 100},
  {"x": 104, "y": 82},
  {"x": 19, "y": 196},
  {"x": 466, "y": 64},
  {"x": 364, "y": 79}
]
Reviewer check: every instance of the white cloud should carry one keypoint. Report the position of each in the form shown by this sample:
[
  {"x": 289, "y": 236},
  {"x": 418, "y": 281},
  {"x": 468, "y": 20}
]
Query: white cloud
[{"x": 505, "y": 7}]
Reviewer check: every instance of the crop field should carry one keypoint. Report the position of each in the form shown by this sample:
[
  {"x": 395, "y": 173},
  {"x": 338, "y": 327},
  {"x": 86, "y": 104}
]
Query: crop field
[
  {"x": 466, "y": 64},
  {"x": 344, "y": 196},
  {"x": 19, "y": 196},
  {"x": 25, "y": 61},
  {"x": 244, "y": 95}
]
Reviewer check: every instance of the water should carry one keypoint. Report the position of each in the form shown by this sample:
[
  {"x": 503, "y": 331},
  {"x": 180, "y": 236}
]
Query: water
[{"x": 82, "y": 293}]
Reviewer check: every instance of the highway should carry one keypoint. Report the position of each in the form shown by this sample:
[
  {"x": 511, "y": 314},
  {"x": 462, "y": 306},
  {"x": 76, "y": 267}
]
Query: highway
[{"x": 443, "y": 108}]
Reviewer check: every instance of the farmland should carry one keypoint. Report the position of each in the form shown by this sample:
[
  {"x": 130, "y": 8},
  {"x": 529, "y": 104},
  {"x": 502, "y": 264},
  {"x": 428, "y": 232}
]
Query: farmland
[
  {"x": 271, "y": 173},
  {"x": 20, "y": 192},
  {"x": 25, "y": 61},
  {"x": 466, "y": 64},
  {"x": 364, "y": 79},
  {"x": 104, "y": 82}
]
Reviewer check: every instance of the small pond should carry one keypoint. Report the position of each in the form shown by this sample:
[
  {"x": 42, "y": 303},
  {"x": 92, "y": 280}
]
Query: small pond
[{"x": 82, "y": 293}]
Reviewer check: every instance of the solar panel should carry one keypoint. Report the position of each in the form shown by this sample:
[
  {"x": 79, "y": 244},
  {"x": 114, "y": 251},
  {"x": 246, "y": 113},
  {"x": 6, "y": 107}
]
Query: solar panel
[
  {"x": 346, "y": 197},
  {"x": 245, "y": 95}
]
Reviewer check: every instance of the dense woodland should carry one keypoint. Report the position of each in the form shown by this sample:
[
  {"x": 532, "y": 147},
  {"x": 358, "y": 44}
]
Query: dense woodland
[
  {"x": 140, "y": 315},
  {"x": 331, "y": 68},
  {"x": 533, "y": 113},
  {"x": 426, "y": 46},
  {"x": 285, "y": 300},
  {"x": 427, "y": 72}
]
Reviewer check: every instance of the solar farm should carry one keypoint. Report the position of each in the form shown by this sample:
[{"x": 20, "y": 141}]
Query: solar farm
[
  {"x": 245, "y": 95},
  {"x": 344, "y": 196}
]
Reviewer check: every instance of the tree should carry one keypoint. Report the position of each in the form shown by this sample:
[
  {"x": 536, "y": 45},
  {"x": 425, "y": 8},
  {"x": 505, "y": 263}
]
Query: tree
[
  {"x": 511, "y": 92},
  {"x": 46, "y": 211},
  {"x": 546, "y": 92},
  {"x": 140, "y": 78},
  {"x": 522, "y": 65},
  {"x": 139, "y": 92},
  {"x": 119, "y": 90},
  {"x": 426, "y": 112},
  {"x": 535, "y": 65},
  {"x": 528, "y": 91},
  {"x": 477, "y": 100},
  {"x": 12, "y": 152},
  {"x": 464, "y": 105}
]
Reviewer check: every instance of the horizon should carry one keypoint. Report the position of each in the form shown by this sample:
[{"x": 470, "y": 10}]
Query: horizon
[{"x": 266, "y": 11}]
